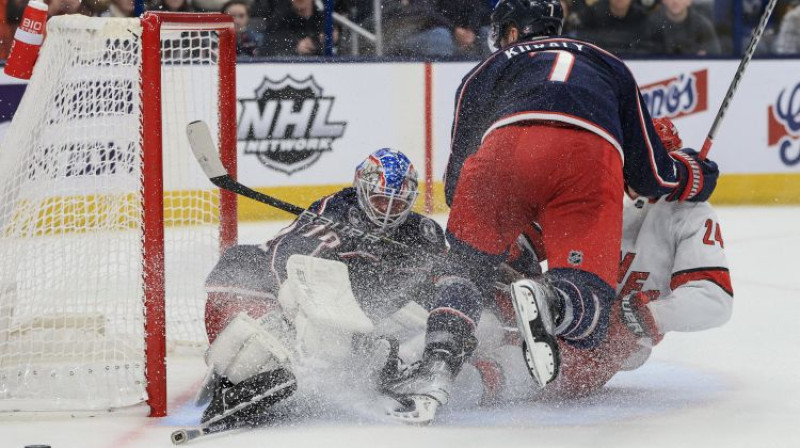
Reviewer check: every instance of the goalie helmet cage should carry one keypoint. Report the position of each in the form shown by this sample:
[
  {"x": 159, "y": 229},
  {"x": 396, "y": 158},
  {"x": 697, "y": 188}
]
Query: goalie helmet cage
[{"x": 105, "y": 239}]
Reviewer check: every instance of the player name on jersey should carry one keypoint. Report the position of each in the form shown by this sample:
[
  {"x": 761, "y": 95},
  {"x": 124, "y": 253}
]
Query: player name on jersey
[{"x": 516, "y": 50}]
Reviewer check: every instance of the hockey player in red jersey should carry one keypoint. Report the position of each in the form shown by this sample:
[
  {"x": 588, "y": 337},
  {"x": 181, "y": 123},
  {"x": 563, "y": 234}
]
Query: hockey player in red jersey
[
  {"x": 546, "y": 129},
  {"x": 673, "y": 276}
]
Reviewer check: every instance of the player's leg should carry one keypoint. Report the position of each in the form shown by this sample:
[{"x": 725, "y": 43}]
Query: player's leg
[
  {"x": 249, "y": 368},
  {"x": 583, "y": 371},
  {"x": 248, "y": 359},
  {"x": 582, "y": 227},
  {"x": 490, "y": 209},
  {"x": 240, "y": 282},
  {"x": 486, "y": 216},
  {"x": 580, "y": 212}
]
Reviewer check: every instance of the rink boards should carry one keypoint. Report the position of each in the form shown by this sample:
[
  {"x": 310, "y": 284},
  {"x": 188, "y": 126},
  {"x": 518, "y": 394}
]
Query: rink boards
[{"x": 302, "y": 127}]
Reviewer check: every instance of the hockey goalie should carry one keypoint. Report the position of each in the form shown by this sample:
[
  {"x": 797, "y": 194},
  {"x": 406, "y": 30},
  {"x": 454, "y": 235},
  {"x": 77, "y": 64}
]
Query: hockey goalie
[{"x": 319, "y": 294}]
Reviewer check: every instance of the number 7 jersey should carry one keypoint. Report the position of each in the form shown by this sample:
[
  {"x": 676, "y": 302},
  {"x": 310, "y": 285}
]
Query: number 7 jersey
[
  {"x": 564, "y": 82},
  {"x": 674, "y": 253}
]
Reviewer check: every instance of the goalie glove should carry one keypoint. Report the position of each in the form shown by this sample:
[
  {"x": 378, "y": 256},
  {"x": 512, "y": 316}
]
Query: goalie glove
[
  {"x": 638, "y": 318},
  {"x": 696, "y": 178}
]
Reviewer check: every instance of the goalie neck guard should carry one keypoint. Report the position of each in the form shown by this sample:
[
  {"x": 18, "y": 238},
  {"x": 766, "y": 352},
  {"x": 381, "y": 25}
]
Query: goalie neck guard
[{"x": 386, "y": 184}]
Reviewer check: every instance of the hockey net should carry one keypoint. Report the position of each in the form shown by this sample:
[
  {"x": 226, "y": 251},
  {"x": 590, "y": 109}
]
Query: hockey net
[{"x": 100, "y": 241}]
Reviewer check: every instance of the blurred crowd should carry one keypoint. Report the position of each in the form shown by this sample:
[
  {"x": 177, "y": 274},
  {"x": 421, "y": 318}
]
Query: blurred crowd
[{"x": 459, "y": 28}]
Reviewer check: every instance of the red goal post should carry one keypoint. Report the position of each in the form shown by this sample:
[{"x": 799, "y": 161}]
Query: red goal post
[{"x": 152, "y": 25}]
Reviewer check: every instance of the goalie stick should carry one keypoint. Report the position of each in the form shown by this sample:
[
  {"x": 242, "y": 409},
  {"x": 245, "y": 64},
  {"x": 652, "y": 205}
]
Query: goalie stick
[
  {"x": 737, "y": 77},
  {"x": 185, "y": 435}
]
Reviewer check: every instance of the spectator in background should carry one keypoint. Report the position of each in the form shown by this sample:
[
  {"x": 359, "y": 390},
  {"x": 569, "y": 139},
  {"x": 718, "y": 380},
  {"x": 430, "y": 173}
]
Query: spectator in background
[
  {"x": 6, "y": 30},
  {"x": 677, "y": 28},
  {"x": 788, "y": 40},
  {"x": 206, "y": 5},
  {"x": 249, "y": 42},
  {"x": 262, "y": 8},
  {"x": 61, "y": 7},
  {"x": 651, "y": 5},
  {"x": 94, "y": 8},
  {"x": 751, "y": 16},
  {"x": 465, "y": 17},
  {"x": 618, "y": 26},
  {"x": 14, "y": 9},
  {"x": 171, "y": 6},
  {"x": 572, "y": 21},
  {"x": 119, "y": 8},
  {"x": 295, "y": 28},
  {"x": 416, "y": 28}
]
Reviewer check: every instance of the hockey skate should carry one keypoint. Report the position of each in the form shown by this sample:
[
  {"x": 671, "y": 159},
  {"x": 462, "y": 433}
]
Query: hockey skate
[
  {"x": 534, "y": 306},
  {"x": 420, "y": 390},
  {"x": 425, "y": 386}
]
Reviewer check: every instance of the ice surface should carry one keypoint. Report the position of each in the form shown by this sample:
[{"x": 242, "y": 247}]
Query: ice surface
[{"x": 736, "y": 386}]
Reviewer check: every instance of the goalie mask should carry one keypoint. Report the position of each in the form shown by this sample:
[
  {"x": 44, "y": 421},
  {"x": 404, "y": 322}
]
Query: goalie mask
[{"x": 386, "y": 184}]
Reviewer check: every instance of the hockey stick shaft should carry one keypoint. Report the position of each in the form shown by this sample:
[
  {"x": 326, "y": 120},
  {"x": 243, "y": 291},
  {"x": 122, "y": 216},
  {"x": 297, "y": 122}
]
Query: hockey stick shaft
[
  {"x": 737, "y": 77},
  {"x": 202, "y": 145},
  {"x": 185, "y": 435}
]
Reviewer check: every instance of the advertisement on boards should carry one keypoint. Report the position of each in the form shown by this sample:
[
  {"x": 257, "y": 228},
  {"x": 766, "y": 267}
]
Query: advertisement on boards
[
  {"x": 310, "y": 124},
  {"x": 307, "y": 124},
  {"x": 783, "y": 125}
]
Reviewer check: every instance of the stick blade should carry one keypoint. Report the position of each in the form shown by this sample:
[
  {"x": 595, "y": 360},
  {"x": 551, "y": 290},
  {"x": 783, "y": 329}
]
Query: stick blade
[{"x": 204, "y": 150}]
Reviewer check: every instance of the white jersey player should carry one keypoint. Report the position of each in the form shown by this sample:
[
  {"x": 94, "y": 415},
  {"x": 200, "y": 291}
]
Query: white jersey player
[{"x": 673, "y": 277}]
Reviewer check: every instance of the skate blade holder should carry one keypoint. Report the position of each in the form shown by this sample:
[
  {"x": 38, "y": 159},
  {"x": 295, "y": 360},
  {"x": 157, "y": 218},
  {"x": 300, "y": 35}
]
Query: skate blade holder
[
  {"x": 416, "y": 409},
  {"x": 539, "y": 345}
]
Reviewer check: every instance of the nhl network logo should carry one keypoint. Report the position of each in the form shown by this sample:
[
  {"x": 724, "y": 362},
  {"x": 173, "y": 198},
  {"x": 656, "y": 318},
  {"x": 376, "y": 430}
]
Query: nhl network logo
[{"x": 286, "y": 125}]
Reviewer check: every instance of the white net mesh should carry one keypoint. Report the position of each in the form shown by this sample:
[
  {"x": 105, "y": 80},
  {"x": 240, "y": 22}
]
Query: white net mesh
[{"x": 71, "y": 289}]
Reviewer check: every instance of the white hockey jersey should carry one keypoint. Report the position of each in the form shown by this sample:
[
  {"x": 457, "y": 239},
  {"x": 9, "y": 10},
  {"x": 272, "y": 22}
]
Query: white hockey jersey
[
  {"x": 671, "y": 251},
  {"x": 674, "y": 252}
]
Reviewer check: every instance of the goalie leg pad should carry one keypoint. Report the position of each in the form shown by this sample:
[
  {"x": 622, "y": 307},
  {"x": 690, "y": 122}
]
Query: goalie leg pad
[
  {"x": 318, "y": 295},
  {"x": 251, "y": 397},
  {"x": 246, "y": 348}
]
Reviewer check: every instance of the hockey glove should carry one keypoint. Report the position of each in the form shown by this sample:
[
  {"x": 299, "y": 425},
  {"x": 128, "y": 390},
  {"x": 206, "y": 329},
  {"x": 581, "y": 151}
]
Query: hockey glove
[
  {"x": 638, "y": 318},
  {"x": 668, "y": 133},
  {"x": 696, "y": 178}
]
